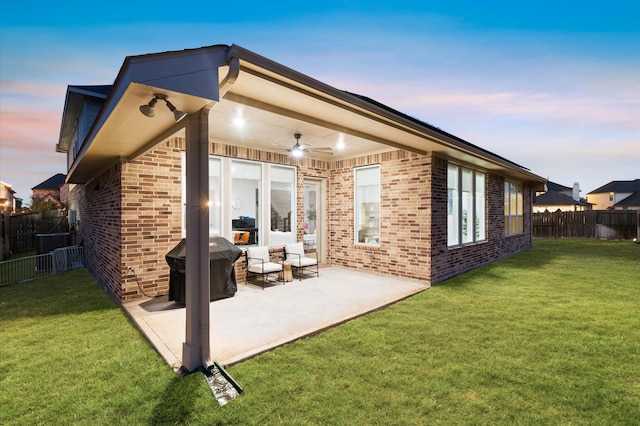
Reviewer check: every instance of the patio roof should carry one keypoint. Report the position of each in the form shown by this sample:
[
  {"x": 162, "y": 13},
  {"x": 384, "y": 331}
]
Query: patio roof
[{"x": 273, "y": 101}]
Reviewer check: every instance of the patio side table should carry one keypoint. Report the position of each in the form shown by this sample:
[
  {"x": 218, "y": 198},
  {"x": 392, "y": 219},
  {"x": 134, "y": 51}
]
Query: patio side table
[{"x": 286, "y": 275}]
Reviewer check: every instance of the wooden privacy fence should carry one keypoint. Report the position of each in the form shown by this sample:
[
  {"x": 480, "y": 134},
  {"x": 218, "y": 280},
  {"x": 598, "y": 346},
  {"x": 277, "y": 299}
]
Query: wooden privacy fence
[
  {"x": 609, "y": 224},
  {"x": 22, "y": 228}
]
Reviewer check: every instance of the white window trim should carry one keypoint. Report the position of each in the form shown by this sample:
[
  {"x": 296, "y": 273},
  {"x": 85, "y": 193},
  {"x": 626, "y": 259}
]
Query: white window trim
[
  {"x": 225, "y": 197},
  {"x": 356, "y": 210}
]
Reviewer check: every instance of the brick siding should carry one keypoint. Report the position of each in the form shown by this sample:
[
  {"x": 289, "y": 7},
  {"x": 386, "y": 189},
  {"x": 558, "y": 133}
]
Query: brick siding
[{"x": 130, "y": 217}]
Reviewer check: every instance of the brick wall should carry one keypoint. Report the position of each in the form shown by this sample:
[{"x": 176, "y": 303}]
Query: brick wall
[
  {"x": 98, "y": 207},
  {"x": 151, "y": 211},
  {"x": 447, "y": 262},
  {"x": 404, "y": 222},
  {"x": 151, "y": 218},
  {"x": 130, "y": 217}
]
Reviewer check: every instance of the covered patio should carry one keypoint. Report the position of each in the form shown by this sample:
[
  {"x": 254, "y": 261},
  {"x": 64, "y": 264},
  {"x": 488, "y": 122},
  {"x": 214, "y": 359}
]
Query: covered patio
[{"x": 256, "y": 320}]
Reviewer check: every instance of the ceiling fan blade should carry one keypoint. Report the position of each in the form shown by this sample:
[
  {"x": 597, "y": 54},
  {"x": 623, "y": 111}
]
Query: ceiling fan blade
[{"x": 325, "y": 150}]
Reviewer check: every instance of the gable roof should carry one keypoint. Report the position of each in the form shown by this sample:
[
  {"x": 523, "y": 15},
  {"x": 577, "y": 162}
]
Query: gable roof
[
  {"x": 54, "y": 182},
  {"x": 279, "y": 100},
  {"x": 619, "y": 186},
  {"x": 554, "y": 198}
]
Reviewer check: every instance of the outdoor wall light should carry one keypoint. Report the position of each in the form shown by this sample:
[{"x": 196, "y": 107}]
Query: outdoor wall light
[{"x": 148, "y": 109}]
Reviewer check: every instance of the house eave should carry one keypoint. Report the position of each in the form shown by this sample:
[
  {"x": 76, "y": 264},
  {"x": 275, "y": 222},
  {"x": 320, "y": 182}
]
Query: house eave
[
  {"x": 120, "y": 130},
  {"x": 190, "y": 79}
]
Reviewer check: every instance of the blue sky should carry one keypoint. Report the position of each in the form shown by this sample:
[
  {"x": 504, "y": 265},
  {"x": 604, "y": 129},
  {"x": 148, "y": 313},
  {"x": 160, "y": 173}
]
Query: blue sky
[{"x": 553, "y": 86}]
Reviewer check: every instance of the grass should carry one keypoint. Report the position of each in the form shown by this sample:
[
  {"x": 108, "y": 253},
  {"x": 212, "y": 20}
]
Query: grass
[{"x": 548, "y": 336}]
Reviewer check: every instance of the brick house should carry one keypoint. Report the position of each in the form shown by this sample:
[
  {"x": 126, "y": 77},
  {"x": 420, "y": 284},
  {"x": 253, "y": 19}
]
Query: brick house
[
  {"x": 52, "y": 190},
  {"x": 373, "y": 189}
]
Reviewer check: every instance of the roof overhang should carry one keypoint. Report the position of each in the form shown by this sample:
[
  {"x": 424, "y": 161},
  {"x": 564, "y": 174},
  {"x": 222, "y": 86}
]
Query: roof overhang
[{"x": 273, "y": 101}]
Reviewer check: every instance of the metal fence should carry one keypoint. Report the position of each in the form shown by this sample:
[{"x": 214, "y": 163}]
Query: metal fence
[{"x": 41, "y": 266}]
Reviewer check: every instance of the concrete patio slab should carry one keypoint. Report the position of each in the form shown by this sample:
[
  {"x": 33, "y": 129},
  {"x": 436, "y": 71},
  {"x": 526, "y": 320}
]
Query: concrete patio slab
[{"x": 256, "y": 320}]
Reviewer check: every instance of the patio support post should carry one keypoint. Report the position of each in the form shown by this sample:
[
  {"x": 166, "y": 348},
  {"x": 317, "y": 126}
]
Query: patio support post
[{"x": 195, "y": 349}]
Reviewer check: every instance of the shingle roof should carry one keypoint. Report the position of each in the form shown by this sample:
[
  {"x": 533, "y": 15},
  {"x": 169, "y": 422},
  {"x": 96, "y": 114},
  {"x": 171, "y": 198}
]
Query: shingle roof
[
  {"x": 430, "y": 126},
  {"x": 54, "y": 182},
  {"x": 630, "y": 201},
  {"x": 552, "y": 186},
  {"x": 619, "y": 186},
  {"x": 553, "y": 198}
]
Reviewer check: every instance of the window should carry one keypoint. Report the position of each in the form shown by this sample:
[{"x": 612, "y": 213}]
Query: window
[
  {"x": 244, "y": 197},
  {"x": 246, "y": 182},
  {"x": 466, "y": 201},
  {"x": 215, "y": 200},
  {"x": 367, "y": 205},
  {"x": 513, "y": 205},
  {"x": 282, "y": 183}
]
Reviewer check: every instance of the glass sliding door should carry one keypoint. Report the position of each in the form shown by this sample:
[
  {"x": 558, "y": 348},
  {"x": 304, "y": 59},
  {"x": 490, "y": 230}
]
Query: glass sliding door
[{"x": 311, "y": 213}]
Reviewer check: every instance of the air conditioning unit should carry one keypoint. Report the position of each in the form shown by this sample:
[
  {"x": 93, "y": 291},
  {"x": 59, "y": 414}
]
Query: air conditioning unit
[{"x": 72, "y": 217}]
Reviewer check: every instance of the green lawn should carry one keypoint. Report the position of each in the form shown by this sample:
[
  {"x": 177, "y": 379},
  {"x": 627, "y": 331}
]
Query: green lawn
[{"x": 548, "y": 336}]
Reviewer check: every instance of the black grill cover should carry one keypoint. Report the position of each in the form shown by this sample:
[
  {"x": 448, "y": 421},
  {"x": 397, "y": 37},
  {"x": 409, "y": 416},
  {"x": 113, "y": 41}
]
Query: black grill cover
[{"x": 222, "y": 257}]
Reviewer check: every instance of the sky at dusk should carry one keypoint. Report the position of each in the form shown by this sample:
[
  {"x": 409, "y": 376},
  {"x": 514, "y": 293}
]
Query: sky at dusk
[{"x": 553, "y": 86}]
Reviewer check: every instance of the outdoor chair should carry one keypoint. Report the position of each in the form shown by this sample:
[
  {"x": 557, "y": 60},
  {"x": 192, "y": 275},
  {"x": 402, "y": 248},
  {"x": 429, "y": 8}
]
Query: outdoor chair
[
  {"x": 295, "y": 254},
  {"x": 259, "y": 264}
]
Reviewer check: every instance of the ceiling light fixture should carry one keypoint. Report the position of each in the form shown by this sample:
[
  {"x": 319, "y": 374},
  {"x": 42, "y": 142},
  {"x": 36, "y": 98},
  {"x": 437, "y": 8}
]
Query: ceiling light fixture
[
  {"x": 297, "y": 150},
  {"x": 149, "y": 109}
]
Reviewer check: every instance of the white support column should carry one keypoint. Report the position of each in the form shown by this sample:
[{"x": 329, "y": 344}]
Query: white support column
[{"x": 195, "y": 349}]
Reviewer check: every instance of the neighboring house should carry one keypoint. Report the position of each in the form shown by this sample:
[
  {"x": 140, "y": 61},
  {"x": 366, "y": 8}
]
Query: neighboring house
[
  {"x": 616, "y": 195},
  {"x": 559, "y": 197},
  {"x": 7, "y": 199},
  {"x": 52, "y": 190},
  {"x": 373, "y": 189}
]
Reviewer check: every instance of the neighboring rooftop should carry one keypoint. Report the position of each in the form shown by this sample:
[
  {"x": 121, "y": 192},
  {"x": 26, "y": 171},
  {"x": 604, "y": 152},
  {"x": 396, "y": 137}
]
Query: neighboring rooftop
[
  {"x": 619, "y": 186},
  {"x": 554, "y": 198},
  {"x": 54, "y": 182},
  {"x": 630, "y": 201},
  {"x": 552, "y": 186}
]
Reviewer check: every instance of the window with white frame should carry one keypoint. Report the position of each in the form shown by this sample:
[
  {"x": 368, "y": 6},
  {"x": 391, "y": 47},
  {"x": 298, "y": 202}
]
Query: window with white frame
[
  {"x": 282, "y": 184},
  {"x": 243, "y": 196},
  {"x": 215, "y": 194},
  {"x": 466, "y": 206},
  {"x": 246, "y": 201},
  {"x": 513, "y": 207},
  {"x": 367, "y": 205}
]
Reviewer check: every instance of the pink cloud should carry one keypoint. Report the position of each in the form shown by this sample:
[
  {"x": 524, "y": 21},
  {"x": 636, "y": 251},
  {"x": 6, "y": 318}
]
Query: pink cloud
[
  {"x": 18, "y": 126},
  {"x": 31, "y": 88}
]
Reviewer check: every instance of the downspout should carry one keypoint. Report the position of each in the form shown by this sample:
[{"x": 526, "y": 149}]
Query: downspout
[{"x": 205, "y": 320}]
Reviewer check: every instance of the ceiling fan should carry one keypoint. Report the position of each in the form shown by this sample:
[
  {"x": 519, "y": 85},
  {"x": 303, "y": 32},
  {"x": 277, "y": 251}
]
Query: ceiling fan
[{"x": 299, "y": 150}]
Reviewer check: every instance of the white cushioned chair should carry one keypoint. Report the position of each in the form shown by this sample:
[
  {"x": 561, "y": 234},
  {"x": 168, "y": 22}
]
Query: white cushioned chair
[
  {"x": 294, "y": 253},
  {"x": 259, "y": 263}
]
